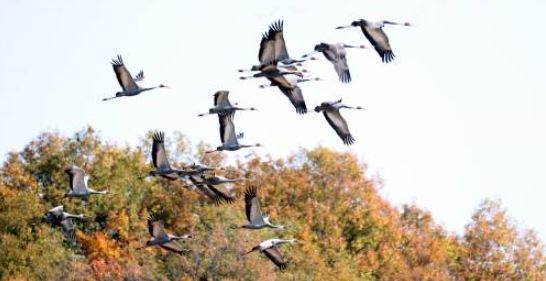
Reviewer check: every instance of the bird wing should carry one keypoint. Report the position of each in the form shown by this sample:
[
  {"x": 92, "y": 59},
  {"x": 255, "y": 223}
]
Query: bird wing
[
  {"x": 252, "y": 206},
  {"x": 276, "y": 30},
  {"x": 266, "y": 55},
  {"x": 156, "y": 227},
  {"x": 77, "y": 179},
  {"x": 379, "y": 41},
  {"x": 221, "y": 98},
  {"x": 68, "y": 229},
  {"x": 338, "y": 123},
  {"x": 139, "y": 77},
  {"x": 338, "y": 57},
  {"x": 173, "y": 246},
  {"x": 159, "y": 155},
  {"x": 57, "y": 212},
  {"x": 296, "y": 98},
  {"x": 222, "y": 193},
  {"x": 125, "y": 79},
  {"x": 227, "y": 130},
  {"x": 209, "y": 193},
  {"x": 276, "y": 257}
]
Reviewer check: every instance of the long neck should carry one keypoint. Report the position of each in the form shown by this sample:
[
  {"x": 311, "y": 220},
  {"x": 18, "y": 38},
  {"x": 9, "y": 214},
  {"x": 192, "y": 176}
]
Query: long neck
[
  {"x": 92, "y": 191},
  {"x": 148, "y": 89},
  {"x": 274, "y": 225},
  {"x": 69, "y": 215}
]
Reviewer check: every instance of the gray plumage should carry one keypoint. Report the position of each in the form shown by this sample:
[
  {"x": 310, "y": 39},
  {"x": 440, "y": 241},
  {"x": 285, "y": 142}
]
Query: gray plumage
[
  {"x": 127, "y": 82},
  {"x": 58, "y": 217},
  {"x": 78, "y": 183},
  {"x": 156, "y": 228},
  {"x": 336, "y": 121}
]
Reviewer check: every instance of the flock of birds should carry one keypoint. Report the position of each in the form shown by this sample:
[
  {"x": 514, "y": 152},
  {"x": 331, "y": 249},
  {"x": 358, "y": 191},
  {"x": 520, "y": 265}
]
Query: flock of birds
[{"x": 283, "y": 72}]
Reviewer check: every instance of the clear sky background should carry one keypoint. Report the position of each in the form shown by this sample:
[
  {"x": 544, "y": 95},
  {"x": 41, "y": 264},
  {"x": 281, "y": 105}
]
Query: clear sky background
[{"x": 457, "y": 117}]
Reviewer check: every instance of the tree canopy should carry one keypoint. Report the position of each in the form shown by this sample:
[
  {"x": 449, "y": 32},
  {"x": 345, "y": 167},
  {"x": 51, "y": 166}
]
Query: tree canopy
[{"x": 347, "y": 231}]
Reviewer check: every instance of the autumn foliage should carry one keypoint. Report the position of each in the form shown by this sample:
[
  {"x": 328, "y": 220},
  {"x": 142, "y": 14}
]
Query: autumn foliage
[{"x": 347, "y": 230}]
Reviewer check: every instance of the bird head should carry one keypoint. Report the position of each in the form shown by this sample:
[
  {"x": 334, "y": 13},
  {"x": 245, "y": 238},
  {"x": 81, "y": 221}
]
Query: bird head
[
  {"x": 408, "y": 24},
  {"x": 317, "y": 109},
  {"x": 258, "y": 145},
  {"x": 163, "y": 86},
  {"x": 321, "y": 47}
]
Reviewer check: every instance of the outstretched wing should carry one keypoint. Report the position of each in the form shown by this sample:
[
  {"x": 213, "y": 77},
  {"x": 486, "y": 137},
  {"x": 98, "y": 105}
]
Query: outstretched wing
[
  {"x": 296, "y": 98},
  {"x": 77, "y": 179},
  {"x": 139, "y": 77},
  {"x": 276, "y": 30},
  {"x": 266, "y": 55},
  {"x": 174, "y": 246},
  {"x": 380, "y": 42},
  {"x": 227, "y": 130},
  {"x": 125, "y": 79},
  {"x": 156, "y": 227},
  {"x": 221, "y": 98},
  {"x": 337, "y": 55},
  {"x": 223, "y": 194},
  {"x": 210, "y": 194},
  {"x": 338, "y": 123},
  {"x": 252, "y": 206},
  {"x": 68, "y": 229},
  {"x": 276, "y": 257},
  {"x": 272, "y": 46},
  {"x": 159, "y": 155}
]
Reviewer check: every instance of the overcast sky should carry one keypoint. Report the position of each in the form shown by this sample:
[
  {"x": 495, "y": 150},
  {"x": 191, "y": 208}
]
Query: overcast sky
[{"x": 457, "y": 117}]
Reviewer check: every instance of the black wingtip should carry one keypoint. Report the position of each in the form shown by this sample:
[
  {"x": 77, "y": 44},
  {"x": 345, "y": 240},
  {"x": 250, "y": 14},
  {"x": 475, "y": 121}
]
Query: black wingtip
[
  {"x": 251, "y": 192},
  {"x": 387, "y": 57},
  {"x": 158, "y": 136},
  {"x": 348, "y": 140},
  {"x": 345, "y": 77}
]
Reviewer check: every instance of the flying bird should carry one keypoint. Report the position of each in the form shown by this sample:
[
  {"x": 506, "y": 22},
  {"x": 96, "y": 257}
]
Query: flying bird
[
  {"x": 336, "y": 121},
  {"x": 256, "y": 220},
  {"x": 286, "y": 78},
  {"x": 161, "y": 162},
  {"x": 223, "y": 106},
  {"x": 377, "y": 37},
  {"x": 336, "y": 54},
  {"x": 228, "y": 136},
  {"x": 269, "y": 248},
  {"x": 127, "y": 82},
  {"x": 214, "y": 192},
  {"x": 58, "y": 217},
  {"x": 156, "y": 228},
  {"x": 78, "y": 183}
]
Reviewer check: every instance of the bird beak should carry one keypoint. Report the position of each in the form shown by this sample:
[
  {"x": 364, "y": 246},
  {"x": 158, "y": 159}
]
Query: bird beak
[{"x": 344, "y": 26}]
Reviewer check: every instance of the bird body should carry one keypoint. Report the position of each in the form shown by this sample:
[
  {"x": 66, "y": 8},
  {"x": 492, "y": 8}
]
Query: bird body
[
  {"x": 336, "y": 121},
  {"x": 78, "y": 183}
]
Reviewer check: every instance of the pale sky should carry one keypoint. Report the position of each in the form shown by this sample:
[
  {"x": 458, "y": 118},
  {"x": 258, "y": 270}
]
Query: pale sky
[{"x": 457, "y": 117}]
